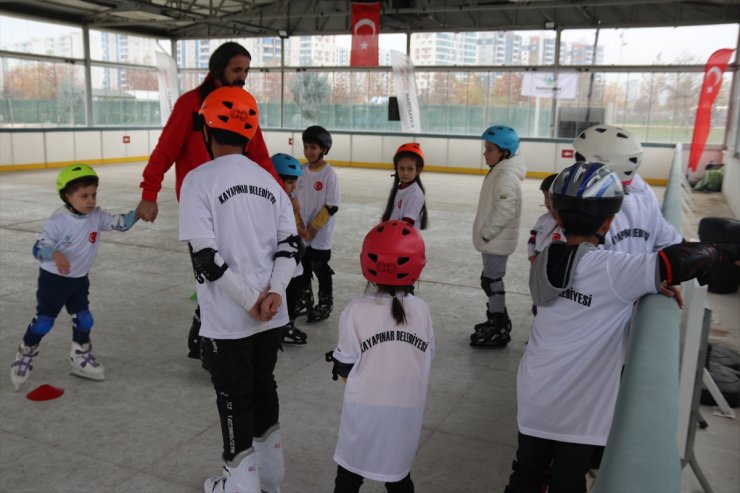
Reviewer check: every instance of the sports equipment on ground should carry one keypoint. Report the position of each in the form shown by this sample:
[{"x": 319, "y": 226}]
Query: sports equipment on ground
[
  {"x": 613, "y": 146},
  {"x": 83, "y": 362},
  {"x": 322, "y": 310},
  {"x": 238, "y": 476},
  {"x": 21, "y": 368},
  {"x": 503, "y": 137},
  {"x": 393, "y": 254}
]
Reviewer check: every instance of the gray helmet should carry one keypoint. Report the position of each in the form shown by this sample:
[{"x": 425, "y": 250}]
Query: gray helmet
[
  {"x": 319, "y": 135},
  {"x": 587, "y": 188}
]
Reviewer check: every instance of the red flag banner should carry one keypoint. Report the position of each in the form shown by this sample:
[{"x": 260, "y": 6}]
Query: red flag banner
[
  {"x": 365, "y": 30},
  {"x": 713, "y": 71}
]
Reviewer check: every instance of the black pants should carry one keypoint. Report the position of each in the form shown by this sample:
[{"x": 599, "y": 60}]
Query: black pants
[
  {"x": 567, "y": 464},
  {"x": 246, "y": 392},
  {"x": 317, "y": 261},
  {"x": 293, "y": 294},
  {"x": 349, "y": 482}
]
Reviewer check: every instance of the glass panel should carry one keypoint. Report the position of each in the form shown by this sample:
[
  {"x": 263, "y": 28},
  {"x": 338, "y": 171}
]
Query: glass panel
[
  {"x": 40, "y": 38},
  {"x": 194, "y": 53},
  {"x": 125, "y": 96},
  {"x": 114, "y": 47},
  {"x": 484, "y": 48},
  {"x": 35, "y": 93},
  {"x": 647, "y": 46}
]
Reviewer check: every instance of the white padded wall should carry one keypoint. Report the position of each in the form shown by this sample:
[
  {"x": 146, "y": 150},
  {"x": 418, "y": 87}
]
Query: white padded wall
[
  {"x": 113, "y": 146},
  {"x": 6, "y": 148},
  {"x": 59, "y": 147},
  {"x": 28, "y": 148},
  {"x": 87, "y": 146},
  {"x": 139, "y": 144}
]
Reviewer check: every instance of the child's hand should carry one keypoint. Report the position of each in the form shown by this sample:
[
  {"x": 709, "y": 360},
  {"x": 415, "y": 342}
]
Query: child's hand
[
  {"x": 311, "y": 232},
  {"x": 269, "y": 306},
  {"x": 671, "y": 292},
  {"x": 61, "y": 262},
  {"x": 531, "y": 258},
  {"x": 255, "y": 310},
  {"x": 302, "y": 232}
]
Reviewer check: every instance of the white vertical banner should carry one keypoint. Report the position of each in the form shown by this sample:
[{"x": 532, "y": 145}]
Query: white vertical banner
[
  {"x": 547, "y": 85},
  {"x": 167, "y": 82},
  {"x": 408, "y": 103}
]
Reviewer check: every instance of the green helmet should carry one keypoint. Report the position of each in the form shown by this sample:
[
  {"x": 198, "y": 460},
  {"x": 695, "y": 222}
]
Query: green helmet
[{"x": 72, "y": 173}]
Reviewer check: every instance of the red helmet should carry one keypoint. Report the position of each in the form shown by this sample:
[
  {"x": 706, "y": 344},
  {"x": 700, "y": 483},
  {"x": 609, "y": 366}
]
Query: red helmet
[
  {"x": 411, "y": 147},
  {"x": 393, "y": 254},
  {"x": 233, "y": 109}
]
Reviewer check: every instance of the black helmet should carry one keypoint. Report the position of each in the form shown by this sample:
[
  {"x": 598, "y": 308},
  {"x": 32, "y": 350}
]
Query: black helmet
[
  {"x": 587, "y": 188},
  {"x": 318, "y": 134}
]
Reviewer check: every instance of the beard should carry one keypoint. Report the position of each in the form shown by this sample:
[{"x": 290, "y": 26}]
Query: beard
[{"x": 236, "y": 83}]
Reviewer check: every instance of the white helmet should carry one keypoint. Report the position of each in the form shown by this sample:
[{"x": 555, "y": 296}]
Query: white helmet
[{"x": 613, "y": 146}]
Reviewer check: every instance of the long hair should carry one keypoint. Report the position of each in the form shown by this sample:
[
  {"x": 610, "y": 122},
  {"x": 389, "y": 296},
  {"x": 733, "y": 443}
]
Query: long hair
[
  {"x": 220, "y": 58},
  {"x": 423, "y": 217},
  {"x": 399, "y": 314}
]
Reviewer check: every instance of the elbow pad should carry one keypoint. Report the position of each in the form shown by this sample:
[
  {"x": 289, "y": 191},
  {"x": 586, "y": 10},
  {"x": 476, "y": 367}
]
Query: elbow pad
[
  {"x": 207, "y": 265},
  {"x": 123, "y": 222},
  {"x": 42, "y": 251},
  {"x": 290, "y": 247},
  {"x": 320, "y": 220},
  {"x": 687, "y": 260}
]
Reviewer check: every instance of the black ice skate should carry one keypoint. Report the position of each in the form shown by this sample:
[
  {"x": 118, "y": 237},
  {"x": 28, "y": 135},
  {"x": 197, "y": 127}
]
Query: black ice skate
[
  {"x": 494, "y": 332},
  {"x": 304, "y": 302},
  {"x": 320, "y": 311},
  {"x": 293, "y": 336}
]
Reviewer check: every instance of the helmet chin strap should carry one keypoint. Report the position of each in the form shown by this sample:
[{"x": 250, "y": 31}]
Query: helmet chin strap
[{"x": 207, "y": 139}]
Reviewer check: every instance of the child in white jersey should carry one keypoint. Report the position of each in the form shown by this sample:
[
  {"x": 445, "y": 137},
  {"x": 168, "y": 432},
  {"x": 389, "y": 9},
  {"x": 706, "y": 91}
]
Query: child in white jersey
[
  {"x": 569, "y": 375},
  {"x": 289, "y": 170},
  {"x": 384, "y": 353},
  {"x": 406, "y": 200},
  {"x": 546, "y": 229},
  {"x": 239, "y": 225},
  {"x": 318, "y": 194},
  {"x": 67, "y": 249},
  {"x": 496, "y": 230}
]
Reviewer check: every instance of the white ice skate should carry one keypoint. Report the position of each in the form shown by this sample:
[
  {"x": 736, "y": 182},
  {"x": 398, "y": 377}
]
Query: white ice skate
[
  {"x": 83, "y": 362},
  {"x": 269, "y": 450},
  {"x": 239, "y": 476},
  {"x": 21, "y": 368}
]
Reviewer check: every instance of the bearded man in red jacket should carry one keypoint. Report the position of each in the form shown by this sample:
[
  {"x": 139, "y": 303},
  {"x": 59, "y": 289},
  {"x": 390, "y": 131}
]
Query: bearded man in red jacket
[{"x": 181, "y": 143}]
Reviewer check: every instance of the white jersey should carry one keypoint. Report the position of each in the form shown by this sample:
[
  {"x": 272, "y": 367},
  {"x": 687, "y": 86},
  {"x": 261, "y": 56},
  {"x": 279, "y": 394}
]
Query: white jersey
[
  {"x": 315, "y": 190},
  {"x": 386, "y": 390},
  {"x": 544, "y": 232},
  {"x": 240, "y": 206},
  {"x": 569, "y": 376},
  {"x": 639, "y": 226},
  {"x": 408, "y": 204},
  {"x": 77, "y": 236}
]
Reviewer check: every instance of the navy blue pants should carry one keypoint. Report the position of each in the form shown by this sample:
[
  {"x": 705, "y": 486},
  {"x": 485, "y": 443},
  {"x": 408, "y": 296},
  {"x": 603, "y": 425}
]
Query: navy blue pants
[
  {"x": 55, "y": 292},
  {"x": 350, "y": 482}
]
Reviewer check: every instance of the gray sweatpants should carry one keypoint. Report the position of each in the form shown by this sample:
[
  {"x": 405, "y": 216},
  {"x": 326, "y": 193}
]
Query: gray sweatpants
[{"x": 492, "y": 281}]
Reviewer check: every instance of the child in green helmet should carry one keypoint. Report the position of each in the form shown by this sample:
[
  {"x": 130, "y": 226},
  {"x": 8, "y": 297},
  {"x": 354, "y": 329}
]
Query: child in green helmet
[{"x": 66, "y": 250}]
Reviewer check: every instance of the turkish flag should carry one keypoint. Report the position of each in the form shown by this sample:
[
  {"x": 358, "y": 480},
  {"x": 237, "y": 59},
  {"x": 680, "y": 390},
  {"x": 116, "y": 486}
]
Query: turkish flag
[
  {"x": 713, "y": 71},
  {"x": 365, "y": 30}
]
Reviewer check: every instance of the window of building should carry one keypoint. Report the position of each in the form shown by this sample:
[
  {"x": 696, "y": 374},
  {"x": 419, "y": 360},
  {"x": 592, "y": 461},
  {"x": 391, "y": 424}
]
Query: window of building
[{"x": 40, "y": 38}]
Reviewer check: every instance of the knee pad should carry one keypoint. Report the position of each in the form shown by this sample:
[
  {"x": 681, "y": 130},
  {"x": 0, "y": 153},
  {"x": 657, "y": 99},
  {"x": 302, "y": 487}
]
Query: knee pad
[
  {"x": 41, "y": 324},
  {"x": 485, "y": 283},
  {"x": 83, "y": 321}
]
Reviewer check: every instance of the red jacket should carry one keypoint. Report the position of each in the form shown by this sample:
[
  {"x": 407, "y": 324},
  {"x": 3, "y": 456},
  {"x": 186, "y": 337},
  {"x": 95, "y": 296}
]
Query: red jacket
[{"x": 182, "y": 143}]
